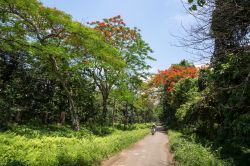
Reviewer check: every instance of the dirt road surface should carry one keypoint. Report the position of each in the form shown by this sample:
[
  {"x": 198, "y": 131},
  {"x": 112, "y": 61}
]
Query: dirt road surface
[{"x": 151, "y": 151}]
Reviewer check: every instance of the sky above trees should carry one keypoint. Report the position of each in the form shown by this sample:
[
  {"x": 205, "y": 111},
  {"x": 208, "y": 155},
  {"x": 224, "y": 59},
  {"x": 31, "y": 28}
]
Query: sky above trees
[{"x": 158, "y": 20}]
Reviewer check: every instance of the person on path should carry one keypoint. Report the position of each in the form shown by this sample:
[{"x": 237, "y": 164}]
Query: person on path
[{"x": 153, "y": 129}]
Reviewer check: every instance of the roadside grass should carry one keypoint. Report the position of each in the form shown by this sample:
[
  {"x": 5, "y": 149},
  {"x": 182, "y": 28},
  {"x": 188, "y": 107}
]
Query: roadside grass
[
  {"x": 187, "y": 152},
  {"x": 59, "y": 145}
]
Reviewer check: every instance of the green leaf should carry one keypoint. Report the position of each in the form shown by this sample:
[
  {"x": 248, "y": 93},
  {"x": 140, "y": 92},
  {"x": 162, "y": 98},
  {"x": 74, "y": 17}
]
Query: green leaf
[
  {"x": 201, "y": 2},
  {"x": 193, "y": 7}
]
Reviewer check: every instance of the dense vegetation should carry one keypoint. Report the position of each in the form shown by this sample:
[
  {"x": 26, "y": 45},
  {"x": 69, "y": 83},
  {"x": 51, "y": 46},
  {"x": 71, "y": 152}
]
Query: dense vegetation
[
  {"x": 189, "y": 152},
  {"x": 56, "y": 70},
  {"x": 211, "y": 109},
  {"x": 60, "y": 145}
]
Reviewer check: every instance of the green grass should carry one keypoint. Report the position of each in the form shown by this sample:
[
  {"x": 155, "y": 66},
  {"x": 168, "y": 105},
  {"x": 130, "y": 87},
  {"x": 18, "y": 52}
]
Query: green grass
[
  {"x": 189, "y": 153},
  {"x": 25, "y": 145}
]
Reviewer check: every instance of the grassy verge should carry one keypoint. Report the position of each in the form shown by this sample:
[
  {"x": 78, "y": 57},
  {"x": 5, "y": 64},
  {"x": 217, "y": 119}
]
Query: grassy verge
[
  {"x": 33, "y": 146},
  {"x": 189, "y": 153}
]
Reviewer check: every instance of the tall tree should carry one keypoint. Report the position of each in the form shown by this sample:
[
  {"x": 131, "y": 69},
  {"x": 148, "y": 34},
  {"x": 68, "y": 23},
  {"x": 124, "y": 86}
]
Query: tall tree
[
  {"x": 53, "y": 39},
  {"x": 166, "y": 80},
  {"x": 132, "y": 49}
]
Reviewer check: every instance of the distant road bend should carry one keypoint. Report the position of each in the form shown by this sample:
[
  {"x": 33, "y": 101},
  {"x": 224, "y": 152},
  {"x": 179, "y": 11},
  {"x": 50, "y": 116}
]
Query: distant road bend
[{"x": 150, "y": 151}]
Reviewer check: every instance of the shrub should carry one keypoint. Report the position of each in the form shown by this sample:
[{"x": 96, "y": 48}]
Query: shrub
[{"x": 189, "y": 153}]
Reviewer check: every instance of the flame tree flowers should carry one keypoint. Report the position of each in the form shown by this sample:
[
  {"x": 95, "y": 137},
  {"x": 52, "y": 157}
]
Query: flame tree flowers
[
  {"x": 174, "y": 89},
  {"x": 132, "y": 49},
  {"x": 116, "y": 32},
  {"x": 44, "y": 60},
  {"x": 173, "y": 74}
]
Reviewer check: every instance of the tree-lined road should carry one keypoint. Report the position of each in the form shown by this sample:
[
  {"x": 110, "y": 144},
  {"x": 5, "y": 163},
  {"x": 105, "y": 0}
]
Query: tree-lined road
[{"x": 150, "y": 151}]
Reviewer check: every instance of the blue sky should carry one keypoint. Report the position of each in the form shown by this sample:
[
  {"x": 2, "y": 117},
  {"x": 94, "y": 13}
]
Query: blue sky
[{"x": 158, "y": 20}]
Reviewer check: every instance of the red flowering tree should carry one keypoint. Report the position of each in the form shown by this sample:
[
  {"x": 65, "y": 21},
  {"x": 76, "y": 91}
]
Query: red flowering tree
[
  {"x": 166, "y": 79},
  {"x": 116, "y": 32},
  {"x": 131, "y": 48},
  {"x": 173, "y": 74}
]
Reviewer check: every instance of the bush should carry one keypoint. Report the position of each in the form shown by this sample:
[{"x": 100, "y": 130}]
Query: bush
[{"x": 189, "y": 153}]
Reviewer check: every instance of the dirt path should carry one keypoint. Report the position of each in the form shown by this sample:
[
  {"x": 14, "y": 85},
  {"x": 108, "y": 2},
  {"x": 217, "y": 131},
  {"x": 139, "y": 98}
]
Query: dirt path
[{"x": 150, "y": 151}]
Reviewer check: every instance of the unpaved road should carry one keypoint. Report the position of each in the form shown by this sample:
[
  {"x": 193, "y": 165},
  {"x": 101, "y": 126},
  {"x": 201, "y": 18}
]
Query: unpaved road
[{"x": 150, "y": 151}]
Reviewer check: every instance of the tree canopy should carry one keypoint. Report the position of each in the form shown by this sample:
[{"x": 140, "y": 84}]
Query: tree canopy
[{"x": 53, "y": 66}]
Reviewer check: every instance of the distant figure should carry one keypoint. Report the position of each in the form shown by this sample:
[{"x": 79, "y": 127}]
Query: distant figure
[{"x": 153, "y": 129}]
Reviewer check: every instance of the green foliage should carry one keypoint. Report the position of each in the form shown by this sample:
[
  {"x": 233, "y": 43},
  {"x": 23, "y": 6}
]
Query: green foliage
[
  {"x": 183, "y": 112},
  {"x": 45, "y": 63},
  {"x": 219, "y": 109},
  {"x": 216, "y": 107},
  {"x": 120, "y": 85},
  {"x": 184, "y": 90},
  {"x": 195, "y": 4},
  {"x": 179, "y": 86},
  {"x": 56, "y": 145},
  {"x": 184, "y": 63},
  {"x": 187, "y": 152}
]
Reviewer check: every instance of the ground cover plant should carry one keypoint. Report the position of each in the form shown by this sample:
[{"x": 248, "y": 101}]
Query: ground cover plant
[{"x": 59, "y": 145}]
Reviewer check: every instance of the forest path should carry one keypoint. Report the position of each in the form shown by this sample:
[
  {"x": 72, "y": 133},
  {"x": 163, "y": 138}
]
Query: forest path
[{"x": 153, "y": 150}]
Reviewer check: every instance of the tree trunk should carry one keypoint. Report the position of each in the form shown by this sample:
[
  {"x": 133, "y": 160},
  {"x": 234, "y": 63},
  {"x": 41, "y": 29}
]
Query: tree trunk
[
  {"x": 137, "y": 115},
  {"x": 18, "y": 117},
  {"x": 62, "y": 118},
  {"x": 113, "y": 115},
  {"x": 126, "y": 114},
  {"x": 46, "y": 115},
  {"x": 72, "y": 108},
  {"x": 104, "y": 107}
]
